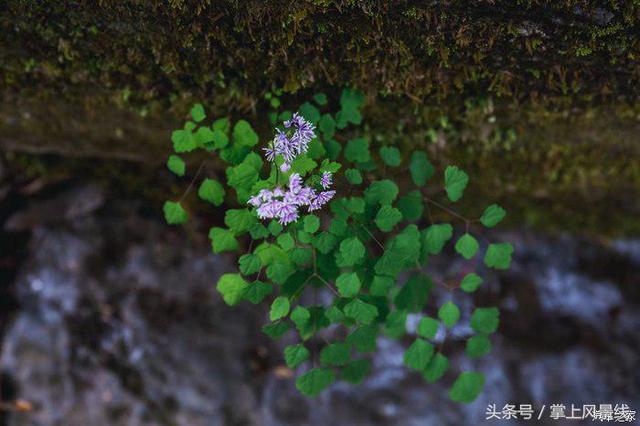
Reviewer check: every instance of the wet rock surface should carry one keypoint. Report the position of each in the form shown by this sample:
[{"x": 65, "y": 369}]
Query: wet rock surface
[{"x": 117, "y": 322}]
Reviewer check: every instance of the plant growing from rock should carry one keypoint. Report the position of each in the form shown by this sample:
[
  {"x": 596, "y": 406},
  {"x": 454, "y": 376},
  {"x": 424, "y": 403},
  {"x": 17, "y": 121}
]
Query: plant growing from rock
[{"x": 309, "y": 216}]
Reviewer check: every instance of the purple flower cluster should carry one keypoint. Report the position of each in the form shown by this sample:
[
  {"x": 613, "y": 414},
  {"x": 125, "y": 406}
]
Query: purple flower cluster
[
  {"x": 291, "y": 147},
  {"x": 284, "y": 205}
]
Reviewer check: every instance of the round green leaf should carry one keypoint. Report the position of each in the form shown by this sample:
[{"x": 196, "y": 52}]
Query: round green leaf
[
  {"x": 455, "y": 181},
  {"x": 428, "y": 327},
  {"x": 311, "y": 223},
  {"x": 449, "y": 314},
  {"x": 279, "y": 308},
  {"x": 174, "y": 214},
  {"x": 348, "y": 284},
  {"x": 315, "y": 381},
  {"x": 492, "y": 215},
  {"x": 417, "y": 356},
  {"x": 387, "y": 218},
  {"x": 471, "y": 282},
  {"x": 498, "y": 256},
  {"x": 467, "y": 246},
  {"x": 232, "y": 288},
  {"x": 176, "y": 165},
  {"x": 390, "y": 156},
  {"x": 212, "y": 191},
  {"x": 485, "y": 320},
  {"x": 467, "y": 387},
  {"x": 478, "y": 346},
  {"x": 294, "y": 355}
]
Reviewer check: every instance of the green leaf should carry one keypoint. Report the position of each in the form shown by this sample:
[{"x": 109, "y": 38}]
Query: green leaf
[
  {"x": 258, "y": 231},
  {"x": 183, "y": 141},
  {"x": 455, "y": 181},
  {"x": 467, "y": 246},
  {"x": 420, "y": 168},
  {"x": 239, "y": 221},
  {"x": 387, "y": 218},
  {"x": 277, "y": 329},
  {"x": 279, "y": 308},
  {"x": 411, "y": 206},
  {"x": 400, "y": 253},
  {"x": 204, "y": 137},
  {"x": 436, "y": 368},
  {"x": 467, "y": 387},
  {"x": 212, "y": 191},
  {"x": 174, "y": 214},
  {"x": 303, "y": 165},
  {"x": 324, "y": 242},
  {"x": 492, "y": 215},
  {"x": 219, "y": 139},
  {"x": 390, "y": 156},
  {"x": 364, "y": 338},
  {"x": 221, "y": 124},
  {"x": 380, "y": 285},
  {"x": 348, "y": 284},
  {"x": 327, "y": 125},
  {"x": 275, "y": 228},
  {"x": 382, "y": 191},
  {"x": 197, "y": 113},
  {"x": 334, "y": 314},
  {"x": 395, "y": 324},
  {"x": 286, "y": 241},
  {"x": 436, "y": 237},
  {"x": 413, "y": 295},
  {"x": 305, "y": 237},
  {"x": 222, "y": 240},
  {"x": 417, "y": 356},
  {"x": 362, "y": 312},
  {"x": 449, "y": 314},
  {"x": 333, "y": 148},
  {"x": 315, "y": 381},
  {"x": 310, "y": 112},
  {"x": 471, "y": 282},
  {"x": 242, "y": 176},
  {"x": 356, "y": 371},
  {"x": 243, "y": 134},
  {"x": 351, "y": 99},
  {"x": 176, "y": 165},
  {"x": 498, "y": 256},
  {"x": 428, "y": 327},
  {"x": 257, "y": 291},
  {"x": 338, "y": 227},
  {"x": 477, "y": 346},
  {"x": 294, "y": 355},
  {"x": 353, "y": 176},
  {"x": 485, "y": 320},
  {"x": 352, "y": 251},
  {"x": 335, "y": 354},
  {"x": 232, "y": 288},
  {"x": 329, "y": 166},
  {"x": 311, "y": 223},
  {"x": 301, "y": 256},
  {"x": 249, "y": 264},
  {"x": 279, "y": 272},
  {"x": 320, "y": 98},
  {"x": 357, "y": 150}
]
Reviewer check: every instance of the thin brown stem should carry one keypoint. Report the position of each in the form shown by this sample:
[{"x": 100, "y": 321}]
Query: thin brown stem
[{"x": 192, "y": 181}]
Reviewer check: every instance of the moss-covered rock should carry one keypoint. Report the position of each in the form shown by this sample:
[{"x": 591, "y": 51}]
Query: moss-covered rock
[{"x": 538, "y": 99}]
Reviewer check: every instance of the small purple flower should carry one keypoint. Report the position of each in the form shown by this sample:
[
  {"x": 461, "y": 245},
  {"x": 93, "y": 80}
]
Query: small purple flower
[
  {"x": 295, "y": 183},
  {"x": 320, "y": 200},
  {"x": 269, "y": 154},
  {"x": 284, "y": 168},
  {"x": 326, "y": 180},
  {"x": 288, "y": 213}
]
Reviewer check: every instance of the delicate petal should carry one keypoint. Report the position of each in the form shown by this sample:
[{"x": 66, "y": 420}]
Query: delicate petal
[
  {"x": 284, "y": 168},
  {"x": 326, "y": 180}
]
